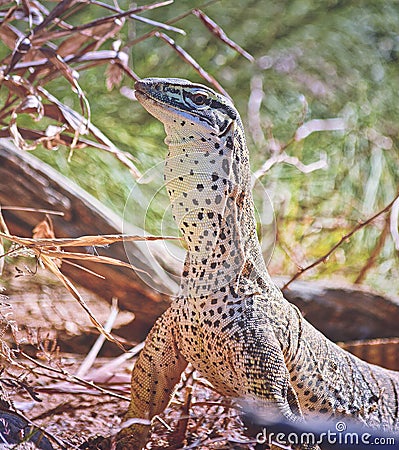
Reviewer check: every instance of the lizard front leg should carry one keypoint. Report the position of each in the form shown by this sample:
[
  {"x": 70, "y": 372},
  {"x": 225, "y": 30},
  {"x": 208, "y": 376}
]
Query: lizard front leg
[
  {"x": 267, "y": 381},
  {"x": 155, "y": 375}
]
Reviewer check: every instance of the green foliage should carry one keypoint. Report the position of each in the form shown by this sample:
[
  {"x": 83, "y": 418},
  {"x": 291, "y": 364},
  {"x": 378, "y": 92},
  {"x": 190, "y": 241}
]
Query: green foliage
[{"x": 342, "y": 57}]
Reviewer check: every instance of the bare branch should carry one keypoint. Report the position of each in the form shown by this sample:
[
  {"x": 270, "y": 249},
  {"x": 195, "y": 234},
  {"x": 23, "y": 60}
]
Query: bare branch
[
  {"x": 83, "y": 241},
  {"x": 292, "y": 160},
  {"x": 71, "y": 378},
  {"x": 219, "y": 33},
  {"x": 394, "y": 226},
  {"x": 92, "y": 355},
  {"x": 154, "y": 23},
  {"x": 41, "y": 211},
  {"x": 376, "y": 251},
  {"x": 254, "y": 103},
  {"x": 192, "y": 62},
  {"x": 335, "y": 124},
  {"x": 344, "y": 238}
]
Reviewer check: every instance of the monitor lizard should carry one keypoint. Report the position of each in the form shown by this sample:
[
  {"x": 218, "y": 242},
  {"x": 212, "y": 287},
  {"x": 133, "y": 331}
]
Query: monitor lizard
[{"x": 229, "y": 320}]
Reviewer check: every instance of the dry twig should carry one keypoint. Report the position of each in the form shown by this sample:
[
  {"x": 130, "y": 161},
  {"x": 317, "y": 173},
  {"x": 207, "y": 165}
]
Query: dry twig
[
  {"x": 92, "y": 355},
  {"x": 192, "y": 62},
  {"x": 63, "y": 375},
  {"x": 394, "y": 223},
  {"x": 54, "y": 48},
  {"x": 376, "y": 251},
  {"x": 43, "y": 249},
  {"x": 215, "y": 29},
  {"x": 292, "y": 160},
  {"x": 83, "y": 241},
  {"x": 344, "y": 238}
]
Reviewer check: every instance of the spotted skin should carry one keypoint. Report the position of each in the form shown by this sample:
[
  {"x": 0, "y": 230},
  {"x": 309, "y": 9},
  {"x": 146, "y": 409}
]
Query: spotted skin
[{"x": 229, "y": 320}]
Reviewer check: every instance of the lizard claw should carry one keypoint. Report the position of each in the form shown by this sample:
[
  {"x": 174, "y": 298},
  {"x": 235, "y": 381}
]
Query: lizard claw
[
  {"x": 98, "y": 443},
  {"x": 112, "y": 443},
  {"x": 132, "y": 436}
]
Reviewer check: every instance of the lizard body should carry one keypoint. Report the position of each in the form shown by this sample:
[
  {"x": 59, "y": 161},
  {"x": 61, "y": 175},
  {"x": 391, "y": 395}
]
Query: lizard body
[{"x": 229, "y": 320}]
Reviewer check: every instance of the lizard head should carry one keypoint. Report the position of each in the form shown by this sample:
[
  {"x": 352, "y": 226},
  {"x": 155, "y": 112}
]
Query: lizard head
[
  {"x": 207, "y": 176},
  {"x": 176, "y": 102}
]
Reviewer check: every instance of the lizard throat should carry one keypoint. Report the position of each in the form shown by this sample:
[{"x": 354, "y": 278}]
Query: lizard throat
[{"x": 210, "y": 208}]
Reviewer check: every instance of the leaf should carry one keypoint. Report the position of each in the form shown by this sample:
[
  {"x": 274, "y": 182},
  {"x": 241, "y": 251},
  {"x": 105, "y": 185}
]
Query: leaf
[
  {"x": 32, "y": 105},
  {"x": 71, "y": 45},
  {"x": 114, "y": 72},
  {"x": 44, "y": 230},
  {"x": 72, "y": 76},
  {"x": 99, "y": 33},
  {"x": 62, "y": 113},
  {"x": 9, "y": 35},
  {"x": 18, "y": 85},
  {"x": 114, "y": 76},
  {"x": 219, "y": 33}
]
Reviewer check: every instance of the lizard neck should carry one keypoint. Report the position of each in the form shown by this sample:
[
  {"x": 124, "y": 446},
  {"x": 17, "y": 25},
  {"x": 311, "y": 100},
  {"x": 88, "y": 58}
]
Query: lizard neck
[{"x": 209, "y": 184}]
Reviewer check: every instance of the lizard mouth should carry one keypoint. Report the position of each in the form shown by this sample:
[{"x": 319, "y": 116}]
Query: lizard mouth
[
  {"x": 146, "y": 100},
  {"x": 141, "y": 91},
  {"x": 139, "y": 86},
  {"x": 144, "y": 90},
  {"x": 151, "y": 96},
  {"x": 140, "y": 94}
]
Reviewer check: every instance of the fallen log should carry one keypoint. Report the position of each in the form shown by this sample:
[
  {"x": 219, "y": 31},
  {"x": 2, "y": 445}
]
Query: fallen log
[
  {"x": 383, "y": 352},
  {"x": 342, "y": 313},
  {"x": 345, "y": 313},
  {"x": 28, "y": 182}
]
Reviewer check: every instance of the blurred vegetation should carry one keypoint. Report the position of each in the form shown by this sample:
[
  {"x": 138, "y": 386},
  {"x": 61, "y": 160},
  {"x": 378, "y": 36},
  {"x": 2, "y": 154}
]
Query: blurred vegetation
[{"x": 314, "y": 60}]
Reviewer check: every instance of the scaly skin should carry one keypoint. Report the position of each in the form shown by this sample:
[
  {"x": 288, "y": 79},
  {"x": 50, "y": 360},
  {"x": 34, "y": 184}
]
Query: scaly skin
[{"x": 230, "y": 321}]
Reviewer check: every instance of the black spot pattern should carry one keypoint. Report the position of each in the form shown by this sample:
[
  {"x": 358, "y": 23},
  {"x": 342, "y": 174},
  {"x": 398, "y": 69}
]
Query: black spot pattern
[{"x": 230, "y": 321}]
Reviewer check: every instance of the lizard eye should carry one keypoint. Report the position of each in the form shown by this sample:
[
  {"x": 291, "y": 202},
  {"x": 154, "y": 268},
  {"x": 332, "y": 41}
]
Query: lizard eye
[{"x": 199, "y": 99}]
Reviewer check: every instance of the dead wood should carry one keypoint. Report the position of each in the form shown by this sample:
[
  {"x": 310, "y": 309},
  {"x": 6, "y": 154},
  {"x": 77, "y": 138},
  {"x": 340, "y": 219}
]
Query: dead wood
[
  {"x": 345, "y": 313},
  {"x": 30, "y": 182},
  {"x": 342, "y": 313},
  {"x": 383, "y": 352}
]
